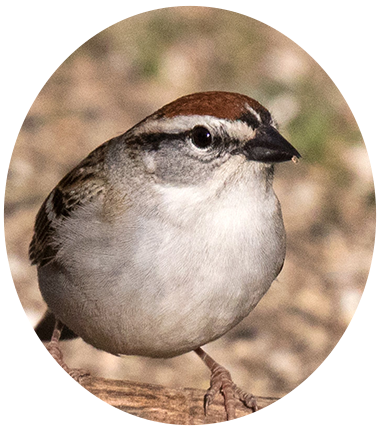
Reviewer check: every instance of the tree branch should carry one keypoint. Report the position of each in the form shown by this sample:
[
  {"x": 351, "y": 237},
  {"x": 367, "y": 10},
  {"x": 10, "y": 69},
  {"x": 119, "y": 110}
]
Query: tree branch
[{"x": 171, "y": 406}]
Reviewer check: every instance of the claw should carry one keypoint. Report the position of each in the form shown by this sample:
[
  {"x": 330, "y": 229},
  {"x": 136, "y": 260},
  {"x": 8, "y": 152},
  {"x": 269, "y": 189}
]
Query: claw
[
  {"x": 221, "y": 381},
  {"x": 245, "y": 397}
]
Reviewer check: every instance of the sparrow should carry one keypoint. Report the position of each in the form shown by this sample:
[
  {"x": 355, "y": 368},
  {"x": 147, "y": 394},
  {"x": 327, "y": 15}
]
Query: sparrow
[{"x": 165, "y": 237}]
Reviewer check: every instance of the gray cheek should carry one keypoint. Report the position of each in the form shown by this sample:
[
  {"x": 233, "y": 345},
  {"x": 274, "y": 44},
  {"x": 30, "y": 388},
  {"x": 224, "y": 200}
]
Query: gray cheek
[{"x": 174, "y": 167}]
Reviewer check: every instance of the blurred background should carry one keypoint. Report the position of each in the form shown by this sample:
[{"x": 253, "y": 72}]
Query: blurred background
[{"x": 133, "y": 68}]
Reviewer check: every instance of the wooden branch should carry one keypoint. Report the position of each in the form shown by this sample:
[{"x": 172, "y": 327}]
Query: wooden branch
[{"x": 170, "y": 406}]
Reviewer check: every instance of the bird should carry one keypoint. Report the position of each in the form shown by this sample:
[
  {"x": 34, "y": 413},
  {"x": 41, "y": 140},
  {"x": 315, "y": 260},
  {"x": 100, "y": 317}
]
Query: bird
[{"x": 164, "y": 238}]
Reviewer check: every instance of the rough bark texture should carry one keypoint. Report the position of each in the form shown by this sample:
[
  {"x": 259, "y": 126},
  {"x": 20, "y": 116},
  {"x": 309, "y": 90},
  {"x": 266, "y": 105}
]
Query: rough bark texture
[{"x": 169, "y": 406}]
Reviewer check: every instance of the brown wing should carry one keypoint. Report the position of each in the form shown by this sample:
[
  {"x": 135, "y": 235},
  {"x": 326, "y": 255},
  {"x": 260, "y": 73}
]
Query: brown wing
[{"x": 81, "y": 185}]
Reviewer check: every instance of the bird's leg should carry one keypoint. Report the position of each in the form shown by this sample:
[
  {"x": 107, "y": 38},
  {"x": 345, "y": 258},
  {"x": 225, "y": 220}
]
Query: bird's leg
[
  {"x": 221, "y": 381},
  {"x": 55, "y": 374}
]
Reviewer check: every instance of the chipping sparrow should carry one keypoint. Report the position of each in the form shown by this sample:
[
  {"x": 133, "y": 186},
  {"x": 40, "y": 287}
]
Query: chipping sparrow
[{"x": 166, "y": 237}]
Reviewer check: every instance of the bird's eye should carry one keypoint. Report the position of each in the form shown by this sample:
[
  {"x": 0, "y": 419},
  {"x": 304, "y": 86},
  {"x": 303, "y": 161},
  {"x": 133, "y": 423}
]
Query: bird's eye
[{"x": 201, "y": 137}]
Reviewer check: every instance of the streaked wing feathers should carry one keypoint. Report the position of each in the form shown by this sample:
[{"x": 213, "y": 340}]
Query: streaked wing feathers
[{"x": 81, "y": 185}]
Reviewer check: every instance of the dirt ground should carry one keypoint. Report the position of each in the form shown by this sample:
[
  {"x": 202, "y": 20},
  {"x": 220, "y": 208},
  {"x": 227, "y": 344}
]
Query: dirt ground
[{"x": 133, "y": 68}]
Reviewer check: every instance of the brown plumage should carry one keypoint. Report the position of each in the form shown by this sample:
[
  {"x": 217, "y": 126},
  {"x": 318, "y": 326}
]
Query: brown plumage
[
  {"x": 218, "y": 104},
  {"x": 76, "y": 188}
]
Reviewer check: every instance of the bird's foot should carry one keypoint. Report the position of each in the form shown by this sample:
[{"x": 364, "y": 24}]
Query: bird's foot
[
  {"x": 56, "y": 376},
  {"x": 221, "y": 381}
]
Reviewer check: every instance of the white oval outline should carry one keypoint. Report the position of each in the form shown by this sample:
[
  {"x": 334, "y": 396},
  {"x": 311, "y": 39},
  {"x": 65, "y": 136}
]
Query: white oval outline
[{"x": 357, "y": 122}]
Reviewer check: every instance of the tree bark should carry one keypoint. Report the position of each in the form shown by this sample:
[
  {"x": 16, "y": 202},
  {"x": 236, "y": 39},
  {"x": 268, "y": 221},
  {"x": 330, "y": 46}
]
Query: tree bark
[{"x": 168, "y": 406}]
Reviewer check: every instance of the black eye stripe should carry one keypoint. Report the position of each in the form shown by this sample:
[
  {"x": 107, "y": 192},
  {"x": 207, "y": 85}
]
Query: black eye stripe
[
  {"x": 152, "y": 141},
  {"x": 254, "y": 121},
  {"x": 250, "y": 119}
]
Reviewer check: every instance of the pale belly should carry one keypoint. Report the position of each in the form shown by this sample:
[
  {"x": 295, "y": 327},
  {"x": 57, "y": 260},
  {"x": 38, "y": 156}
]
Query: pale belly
[{"x": 167, "y": 290}]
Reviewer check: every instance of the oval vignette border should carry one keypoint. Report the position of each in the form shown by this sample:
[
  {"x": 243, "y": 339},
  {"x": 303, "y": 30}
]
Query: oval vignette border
[{"x": 364, "y": 140}]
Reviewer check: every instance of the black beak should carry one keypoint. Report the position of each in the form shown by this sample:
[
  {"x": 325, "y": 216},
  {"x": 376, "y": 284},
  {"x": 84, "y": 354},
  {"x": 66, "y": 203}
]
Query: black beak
[{"x": 269, "y": 146}]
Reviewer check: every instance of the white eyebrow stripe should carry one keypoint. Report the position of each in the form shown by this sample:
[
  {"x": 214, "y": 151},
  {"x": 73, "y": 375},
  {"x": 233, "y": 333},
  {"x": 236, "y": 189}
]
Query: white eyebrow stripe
[
  {"x": 235, "y": 129},
  {"x": 254, "y": 113}
]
